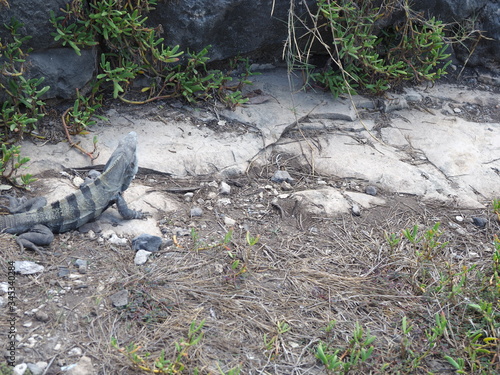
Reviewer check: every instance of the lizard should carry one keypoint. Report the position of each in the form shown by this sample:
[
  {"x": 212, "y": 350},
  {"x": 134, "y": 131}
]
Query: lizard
[{"x": 37, "y": 226}]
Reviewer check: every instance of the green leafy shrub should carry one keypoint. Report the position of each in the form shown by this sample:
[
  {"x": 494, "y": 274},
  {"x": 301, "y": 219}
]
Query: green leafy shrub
[
  {"x": 130, "y": 48},
  {"x": 21, "y": 103},
  {"x": 363, "y": 56}
]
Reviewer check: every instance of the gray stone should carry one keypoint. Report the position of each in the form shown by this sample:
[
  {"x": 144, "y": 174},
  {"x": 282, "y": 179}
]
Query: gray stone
[
  {"x": 224, "y": 188},
  {"x": 19, "y": 369},
  {"x": 37, "y": 368},
  {"x": 62, "y": 271},
  {"x": 196, "y": 211},
  {"x": 229, "y": 221},
  {"x": 356, "y": 211},
  {"x": 75, "y": 352},
  {"x": 371, "y": 190},
  {"x": 83, "y": 367},
  {"x": 282, "y": 176},
  {"x": 141, "y": 257},
  {"x": 64, "y": 71},
  {"x": 119, "y": 298},
  {"x": 321, "y": 202},
  {"x": 81, "y": 264},
  {"x": 147, "y": 242},
  {"x": 25, "y": 267},
  {"x": 480, "y": 222},
  {"x": 42, "y": 316}
]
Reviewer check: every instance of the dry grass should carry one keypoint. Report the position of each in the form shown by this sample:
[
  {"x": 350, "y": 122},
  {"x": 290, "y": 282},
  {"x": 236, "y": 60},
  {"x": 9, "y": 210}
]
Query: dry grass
[{"x": 305, "y": 272}]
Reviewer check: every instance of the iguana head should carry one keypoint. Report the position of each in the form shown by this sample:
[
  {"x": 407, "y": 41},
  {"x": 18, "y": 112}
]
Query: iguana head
[{"x": 122, "y": 165}]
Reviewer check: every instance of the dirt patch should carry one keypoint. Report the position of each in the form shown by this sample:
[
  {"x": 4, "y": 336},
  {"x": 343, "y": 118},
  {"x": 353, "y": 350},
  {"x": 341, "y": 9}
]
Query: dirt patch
[{"x": 266, "y": 307}]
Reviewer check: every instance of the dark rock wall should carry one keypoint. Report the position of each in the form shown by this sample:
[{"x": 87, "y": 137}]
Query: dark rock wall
[
  {"x": 486, "y": 17},
  {"x": 232, "y": 27}
]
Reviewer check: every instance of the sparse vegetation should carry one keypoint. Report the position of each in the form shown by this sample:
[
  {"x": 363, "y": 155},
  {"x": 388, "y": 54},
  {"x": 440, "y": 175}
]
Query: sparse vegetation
[
  {"x": 363, "y": 53},
  {"x": 22, "y": 106}
]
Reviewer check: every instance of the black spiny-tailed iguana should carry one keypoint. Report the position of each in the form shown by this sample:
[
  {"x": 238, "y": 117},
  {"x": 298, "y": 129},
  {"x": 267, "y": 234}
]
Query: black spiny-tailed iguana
[{"x": 36, "y": 227}]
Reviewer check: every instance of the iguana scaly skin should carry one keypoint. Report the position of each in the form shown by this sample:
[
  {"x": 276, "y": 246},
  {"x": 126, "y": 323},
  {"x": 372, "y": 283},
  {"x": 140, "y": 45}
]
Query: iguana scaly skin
[{"x": 85, "y": 204}]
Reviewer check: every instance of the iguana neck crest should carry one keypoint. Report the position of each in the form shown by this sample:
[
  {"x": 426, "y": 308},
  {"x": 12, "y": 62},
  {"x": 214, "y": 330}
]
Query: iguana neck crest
[{"x": 122, "y": 165}]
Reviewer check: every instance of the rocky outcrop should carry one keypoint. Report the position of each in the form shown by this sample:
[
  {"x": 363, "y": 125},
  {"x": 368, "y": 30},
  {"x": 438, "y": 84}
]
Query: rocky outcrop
[{"x": 231, "y": 27}]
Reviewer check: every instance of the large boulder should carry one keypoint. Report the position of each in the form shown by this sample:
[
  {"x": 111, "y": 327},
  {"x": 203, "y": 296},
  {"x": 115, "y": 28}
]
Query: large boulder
[
  {"x": 231, "y": 27},
  {"x": 35, "y": 17}
]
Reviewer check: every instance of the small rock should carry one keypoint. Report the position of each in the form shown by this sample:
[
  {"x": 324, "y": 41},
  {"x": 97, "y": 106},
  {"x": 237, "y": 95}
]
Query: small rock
[
  {"x": 182, "y": 232},
  {"x": 83, "y": 367},
  {"x": 81, "y": 264},
  {"x": 457, "y": 110},
  {"x": 63, "y": 271},
  {"x": 224, "y": 202},
  {"x": 37, "y": 368},
  {"x": 459, "y": 218},
  {"x": 188, "y": 197},
  {"x": 115, "y": 240},
  {"x": 213, "y": 184},
  {"x": 224, "y": 188},
  {"x": 479, "y": 222},
  {"x": 356, "y": 210},
  {"x": 141, "y": 257},
  {"x": 196, "y": 211},
  {"x": 20, "y": 369},
  {"x": 42, "y": 316},
  {"x": 4, "y": 287},
  {"x": 371, "y": 190},
  {"x": 229, "y": 222},
  {"x": 75, "y": 352},
  {"x": 147, "y": 242},
  {"x": 119, "y": 298},
  {"x": 25, "y": 267},
  {"x": 285, "y": 186},
  {"x": 280, "y": 176}
]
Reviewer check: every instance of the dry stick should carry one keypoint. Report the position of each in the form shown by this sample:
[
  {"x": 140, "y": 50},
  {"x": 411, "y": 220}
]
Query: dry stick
[{"x": 73, "y": 144}]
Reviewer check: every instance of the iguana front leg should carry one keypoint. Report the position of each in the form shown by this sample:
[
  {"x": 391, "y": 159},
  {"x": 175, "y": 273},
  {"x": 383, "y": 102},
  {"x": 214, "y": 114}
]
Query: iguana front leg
[
  {"x": 39, "y": 235},
  {"x": 128, "y": 213}
]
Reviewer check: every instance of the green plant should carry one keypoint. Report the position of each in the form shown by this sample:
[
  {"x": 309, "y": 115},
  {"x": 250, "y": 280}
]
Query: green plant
[
  {"x": 272, "y": 344},
  {"x": 82, "y": 114},
  {"x": 365, "y": 56},
  {"x": 424, "y": 244},
  {"x": 22, "y": 107},
  {"x": 251, "y": 241},
  {"x": 130, "y": 48},
  {"x": 392, "y": 239},
  {"x": 357, "y": 352},
  {"x": 11, "y": 161},
  {"x": 161, "y": 364},
  {"x": 496, "y": 208}
]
